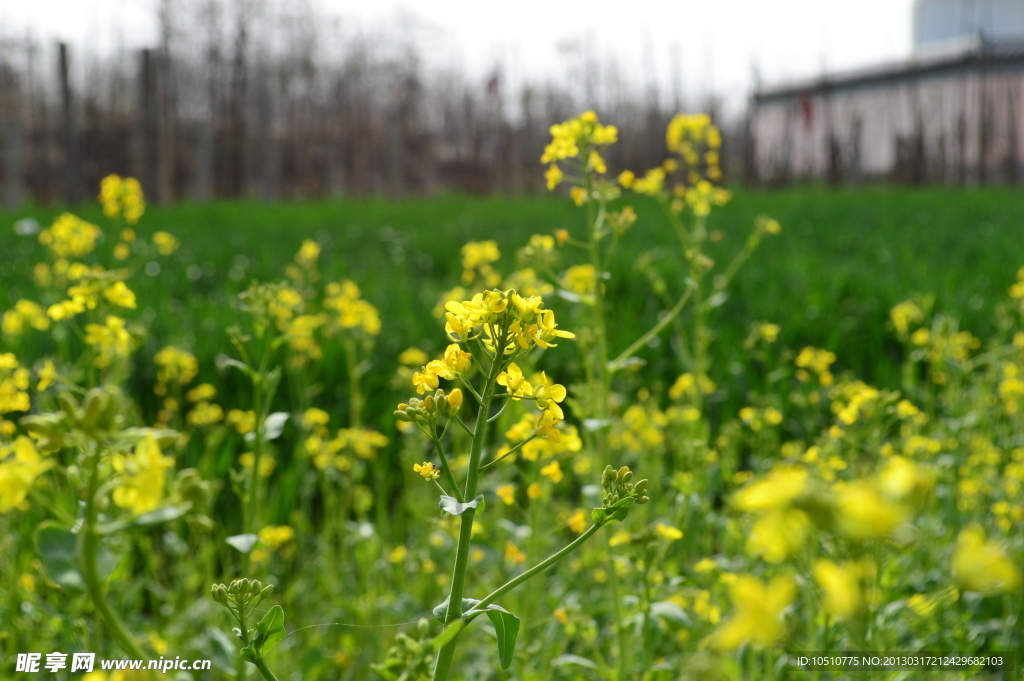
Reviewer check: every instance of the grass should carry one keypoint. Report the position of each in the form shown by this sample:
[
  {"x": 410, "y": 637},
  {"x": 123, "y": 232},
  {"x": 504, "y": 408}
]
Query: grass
[{"x": 844, "y": 259}]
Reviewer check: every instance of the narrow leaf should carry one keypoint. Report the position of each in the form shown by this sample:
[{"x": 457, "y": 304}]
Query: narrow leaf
[
  {"x": 569, "y": 660},
  {"x": 161, "y": 515},
  {"x": 455, "y": 507},
  {"x": 506, "y": 628}
]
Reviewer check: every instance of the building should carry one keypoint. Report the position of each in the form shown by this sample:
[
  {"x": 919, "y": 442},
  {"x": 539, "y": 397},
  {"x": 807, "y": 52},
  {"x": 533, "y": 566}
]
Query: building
[{"x": 950, "y": 113}]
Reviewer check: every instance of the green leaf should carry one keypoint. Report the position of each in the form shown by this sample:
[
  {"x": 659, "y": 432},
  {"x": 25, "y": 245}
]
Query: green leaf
[
  {"x": 161, "y": 515},
  {"x": 617, "y": 512},
  {"x": 58, "y": 550},
  {"x": 441, "y": 611},
  {"x": 671, "y": 611},
  {"x": 506, "y": 628},
  {"x": 449, "y": 634},
  {"x": 243, "y": 542},
  {"x": 455, "y": 507},
  {"x": 568, "y": 660},
  {"x": 270, "y": 630}
]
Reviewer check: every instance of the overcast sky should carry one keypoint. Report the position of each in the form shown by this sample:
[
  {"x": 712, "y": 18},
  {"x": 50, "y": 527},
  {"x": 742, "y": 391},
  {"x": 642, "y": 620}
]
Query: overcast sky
[{"x": 719, "y": 42}]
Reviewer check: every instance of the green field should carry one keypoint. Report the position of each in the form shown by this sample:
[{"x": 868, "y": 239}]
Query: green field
[
  {"x": 845, "y": 257},
  {"x": 879, "y": 544}
]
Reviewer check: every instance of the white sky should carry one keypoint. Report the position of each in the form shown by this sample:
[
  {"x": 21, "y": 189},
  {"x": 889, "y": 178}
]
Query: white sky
[{"x": 719, "y": 42}]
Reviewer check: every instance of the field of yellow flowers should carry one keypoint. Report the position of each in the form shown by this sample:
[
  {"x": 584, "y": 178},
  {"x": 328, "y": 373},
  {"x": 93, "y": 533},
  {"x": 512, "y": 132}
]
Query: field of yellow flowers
[{"x": 549, "y": 480}]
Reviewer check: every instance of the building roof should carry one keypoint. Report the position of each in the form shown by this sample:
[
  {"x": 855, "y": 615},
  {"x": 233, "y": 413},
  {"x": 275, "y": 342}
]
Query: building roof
[{"x": 967, "y": 53}]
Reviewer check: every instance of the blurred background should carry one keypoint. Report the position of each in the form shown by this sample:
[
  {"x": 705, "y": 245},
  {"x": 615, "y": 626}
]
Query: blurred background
[{"x": 314, "y": 98}]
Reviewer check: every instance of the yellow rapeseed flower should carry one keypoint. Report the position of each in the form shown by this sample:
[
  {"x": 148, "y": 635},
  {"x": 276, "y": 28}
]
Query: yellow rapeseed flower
[
  {"x": 779, "y": 534},
  {"x": 844, "y": 586},
  {"x": 553, "y": 472},
  {"x": 70, "y": 236},
  {"x": 119, "y": 294},
  {"x": 554, "y": 176},
  {"x": 110, "y": 340},
  {"x": 982, "y": 565},
  {"x": 276, "y": 536},
  {"x": 758, "y": 616},
  {"x": 427, "y": 470},
  {"x": 165, "y": 243},
  {"x": 667, "y": 532},
  {"x": 141, "y": 477},
  {"x": 507, "y": 493},
  {"x": 20, "y": 466}
]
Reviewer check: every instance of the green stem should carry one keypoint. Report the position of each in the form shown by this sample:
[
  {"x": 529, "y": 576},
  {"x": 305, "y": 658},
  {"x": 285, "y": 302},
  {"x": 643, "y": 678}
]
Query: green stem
[
  {"x": 538, "y": 568},
  {"x": 509, "y": 452},
  {"x": 355, "y": 396},
  {"x": 88, "y": 546},
  {"x": 257, "y": 452},
  {"x": 264, "y": 669},
  {"x": 617, "y": 363},
  {"x": 445, "y": 656},
  {"x": 449, "y": 476}
]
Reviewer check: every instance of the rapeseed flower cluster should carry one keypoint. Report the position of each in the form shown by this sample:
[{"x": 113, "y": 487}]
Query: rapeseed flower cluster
[
  {"x": 14, "y": 385},
  {"x": 20, "y": 466},
  {"x": 70, "y": 237},
  {"x": 121, "y": 197},
  {"x": 141, "y": 477}
]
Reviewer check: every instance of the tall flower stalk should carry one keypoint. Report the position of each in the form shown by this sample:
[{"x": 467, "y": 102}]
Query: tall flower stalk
[{"x": 489, "y": 333}]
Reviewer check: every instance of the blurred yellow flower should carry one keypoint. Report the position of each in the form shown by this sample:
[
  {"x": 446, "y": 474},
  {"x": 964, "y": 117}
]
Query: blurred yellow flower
[
  {"x": 758, "y": 616},
  {"x": 982, "y": 565},
  {"x": 141, "y": 477},
  {"x": 276, "y": 536}
]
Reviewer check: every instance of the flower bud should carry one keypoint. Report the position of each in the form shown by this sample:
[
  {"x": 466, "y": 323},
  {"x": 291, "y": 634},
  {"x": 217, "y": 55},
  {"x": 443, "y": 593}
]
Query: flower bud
[
  {"x": 428, "y": 403},
  {"x": 640, "y": 487},
  {"x": 267, "y": 592},
  {"x": 403, "y": 416},
  {"x": 255, "y": 587},
  {"x": 454, "y": 401},
  {"x": 220, "y": 594}
]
